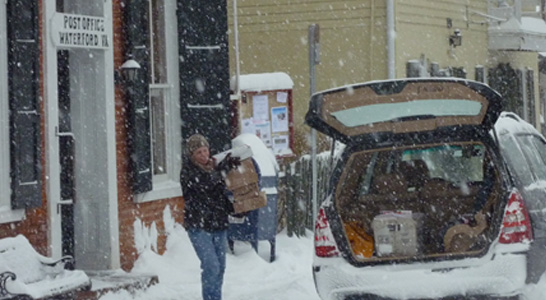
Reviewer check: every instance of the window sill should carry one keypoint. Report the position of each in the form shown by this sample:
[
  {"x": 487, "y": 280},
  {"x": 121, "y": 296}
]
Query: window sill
[
  {"x": 165, "y": 190},
  {"x": 8, "y": 215}
]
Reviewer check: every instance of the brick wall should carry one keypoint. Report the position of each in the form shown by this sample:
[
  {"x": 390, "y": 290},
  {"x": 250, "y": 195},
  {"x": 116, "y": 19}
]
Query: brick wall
[{"x": 128, "y": 210}]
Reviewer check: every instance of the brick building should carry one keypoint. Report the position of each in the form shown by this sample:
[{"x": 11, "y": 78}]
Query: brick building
[{"x": 87, "y": 151}]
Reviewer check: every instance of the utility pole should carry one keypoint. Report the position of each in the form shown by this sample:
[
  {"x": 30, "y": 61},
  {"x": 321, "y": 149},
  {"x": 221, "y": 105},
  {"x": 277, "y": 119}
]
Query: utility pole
[{"x": 314, "y": 59}]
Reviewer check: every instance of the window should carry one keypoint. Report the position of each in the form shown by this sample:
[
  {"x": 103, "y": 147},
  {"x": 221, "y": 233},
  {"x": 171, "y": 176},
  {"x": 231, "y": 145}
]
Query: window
[
  {"x": 4, "y": 120},
  {"x": 6, "y": 213},
  {"x": 374, "y": 113},
  {"x": 456, "y": 163},
  {"x": 158, "y": 86},
  {"x": 540, "y": 145},
  {"x": 534, "y": 151},
  {"x": 516, "y": 160},
  {"x": 165, "y": 124}
]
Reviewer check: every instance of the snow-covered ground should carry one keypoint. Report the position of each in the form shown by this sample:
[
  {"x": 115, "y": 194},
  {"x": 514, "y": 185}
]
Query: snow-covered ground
[{"x": 249, "y": 275}]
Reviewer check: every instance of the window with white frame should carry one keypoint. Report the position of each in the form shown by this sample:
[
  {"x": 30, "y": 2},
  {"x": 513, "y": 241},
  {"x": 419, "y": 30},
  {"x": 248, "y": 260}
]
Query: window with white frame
[
  {"x": 165, "y": 123},
  {"x": 6, "y": 213}
]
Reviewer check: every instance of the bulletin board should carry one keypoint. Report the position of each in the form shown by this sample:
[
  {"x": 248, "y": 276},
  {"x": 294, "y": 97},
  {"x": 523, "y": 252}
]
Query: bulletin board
[{"x": 268, "y": 115}]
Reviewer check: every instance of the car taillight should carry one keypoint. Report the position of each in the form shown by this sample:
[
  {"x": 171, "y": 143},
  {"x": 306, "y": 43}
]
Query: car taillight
[
  {"x": 325, "y": 246},
  {"x": 516, "y": 225}
]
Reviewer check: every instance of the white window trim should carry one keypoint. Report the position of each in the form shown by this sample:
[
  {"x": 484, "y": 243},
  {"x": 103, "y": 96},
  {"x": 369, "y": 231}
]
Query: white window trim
[
  {"x": 7, "y": 215},
  {"x": 168, "y": 185}
]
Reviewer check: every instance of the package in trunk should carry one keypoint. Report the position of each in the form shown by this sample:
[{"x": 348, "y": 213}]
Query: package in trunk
[{"x": 397, "y": 233}]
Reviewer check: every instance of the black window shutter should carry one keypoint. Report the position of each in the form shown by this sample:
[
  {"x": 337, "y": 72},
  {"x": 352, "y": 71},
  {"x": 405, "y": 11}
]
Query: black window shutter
[
  {"x": 530, "y": 91},
  {"x": 204, "y": 71},
  {"x": 459, "y": 72},
  {"x": 24, "y": 103},
  {"x": 508, "y": 82},
  {"x": 479, "y": 74},
  {"x": 137, "y": 46}
]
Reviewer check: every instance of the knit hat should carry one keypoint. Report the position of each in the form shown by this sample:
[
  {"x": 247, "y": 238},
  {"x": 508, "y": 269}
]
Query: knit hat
[{"x": 195, "y": 142}]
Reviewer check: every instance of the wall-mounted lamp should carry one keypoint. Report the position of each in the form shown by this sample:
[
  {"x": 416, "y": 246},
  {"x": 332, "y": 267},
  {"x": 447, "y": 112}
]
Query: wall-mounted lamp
[
  {"x": 128, "y": 72},
  {"x": 456, "y": 39},
  {"x": 129, "y": 69}
]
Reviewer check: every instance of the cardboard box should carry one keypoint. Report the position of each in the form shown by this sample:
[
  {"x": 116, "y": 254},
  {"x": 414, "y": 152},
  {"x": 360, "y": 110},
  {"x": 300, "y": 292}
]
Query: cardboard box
[
  {"x": 243, "y": 183},
  {"x": 246, "y": 190},
  {"x": 241, "y": 176},
  {"x": 248, "y": 202},
  {"x": 397, "y": 233}
]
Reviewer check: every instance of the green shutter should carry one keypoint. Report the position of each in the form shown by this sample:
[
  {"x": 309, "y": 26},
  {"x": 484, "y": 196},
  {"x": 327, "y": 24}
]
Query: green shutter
[
  {"x": 204, "y": 71},
  {"x": 24, "y": 103},
  {"x": 137, "y": 46}
]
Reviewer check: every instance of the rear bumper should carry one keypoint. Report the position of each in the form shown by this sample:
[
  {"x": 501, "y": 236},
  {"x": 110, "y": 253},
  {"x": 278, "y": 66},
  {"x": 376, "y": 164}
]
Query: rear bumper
[{"x": 501, "y": 275}]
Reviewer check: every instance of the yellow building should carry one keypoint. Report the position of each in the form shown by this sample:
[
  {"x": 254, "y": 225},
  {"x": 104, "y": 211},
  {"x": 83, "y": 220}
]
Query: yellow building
[{"x": 360, "y": 40}]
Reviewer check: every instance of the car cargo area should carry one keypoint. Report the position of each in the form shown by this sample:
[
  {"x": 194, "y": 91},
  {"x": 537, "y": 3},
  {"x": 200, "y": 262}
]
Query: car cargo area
[{"x": 418, "y": 202}]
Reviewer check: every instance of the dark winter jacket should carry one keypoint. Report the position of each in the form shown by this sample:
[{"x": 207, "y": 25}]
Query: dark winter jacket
[{"x": 205, "y": 196}]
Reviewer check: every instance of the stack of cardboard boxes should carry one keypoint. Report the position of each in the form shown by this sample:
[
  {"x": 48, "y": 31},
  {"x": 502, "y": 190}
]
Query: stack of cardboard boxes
[{"x": 243, "y": 181}]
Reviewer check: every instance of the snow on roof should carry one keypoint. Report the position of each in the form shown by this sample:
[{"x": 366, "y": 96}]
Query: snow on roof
[
  {"x": 531, "y": 24},
  {"x": 263, "y": 82}
]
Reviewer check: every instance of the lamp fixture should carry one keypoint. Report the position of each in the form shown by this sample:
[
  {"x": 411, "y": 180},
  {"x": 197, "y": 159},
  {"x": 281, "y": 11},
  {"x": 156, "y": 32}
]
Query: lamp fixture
[
  {"x": 129, "y": 69},
  {"x": 456, "y": 39}
]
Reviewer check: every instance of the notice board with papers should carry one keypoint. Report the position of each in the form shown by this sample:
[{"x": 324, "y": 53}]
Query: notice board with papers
[{"x": 265, "y": 109}]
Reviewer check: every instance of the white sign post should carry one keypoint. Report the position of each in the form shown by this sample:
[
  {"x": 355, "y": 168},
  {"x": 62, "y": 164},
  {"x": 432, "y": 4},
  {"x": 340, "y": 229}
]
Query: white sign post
[{"x": 79, "y": 31}]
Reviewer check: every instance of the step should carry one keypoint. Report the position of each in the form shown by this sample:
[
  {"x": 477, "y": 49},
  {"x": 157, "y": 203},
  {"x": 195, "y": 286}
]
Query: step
[{"x": 106, "y": 281}]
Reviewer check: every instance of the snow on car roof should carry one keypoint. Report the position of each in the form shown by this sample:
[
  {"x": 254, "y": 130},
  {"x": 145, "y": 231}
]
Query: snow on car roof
[{"x": 510, "y": 122}]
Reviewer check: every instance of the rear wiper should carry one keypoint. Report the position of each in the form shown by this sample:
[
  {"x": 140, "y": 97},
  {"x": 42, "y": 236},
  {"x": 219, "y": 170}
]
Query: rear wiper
[{"x": 414, "y": 118}]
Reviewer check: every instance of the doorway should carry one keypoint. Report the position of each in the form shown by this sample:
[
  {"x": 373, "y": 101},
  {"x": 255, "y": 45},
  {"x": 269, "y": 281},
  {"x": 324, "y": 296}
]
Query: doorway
[{"x": 81, "y": 185}]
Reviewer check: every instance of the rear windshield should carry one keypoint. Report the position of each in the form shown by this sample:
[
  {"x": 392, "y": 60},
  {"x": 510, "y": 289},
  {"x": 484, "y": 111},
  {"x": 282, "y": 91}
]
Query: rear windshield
[
  {"x": 458, "y": 164},
  {"x": 375, "y": 113}
]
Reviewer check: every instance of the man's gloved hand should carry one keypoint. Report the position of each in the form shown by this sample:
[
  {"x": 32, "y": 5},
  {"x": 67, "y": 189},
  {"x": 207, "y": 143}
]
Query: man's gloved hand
[
  {"x": 232, "y": 162},
  {"x": 229, "y": 163}
]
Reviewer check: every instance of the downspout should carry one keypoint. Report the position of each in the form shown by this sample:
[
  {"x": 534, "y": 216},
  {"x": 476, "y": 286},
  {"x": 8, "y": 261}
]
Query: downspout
[
  {"x": 237, "y": 96},
  {"x": 236, "y": 40},
  {"x": 390, "y": 40}
]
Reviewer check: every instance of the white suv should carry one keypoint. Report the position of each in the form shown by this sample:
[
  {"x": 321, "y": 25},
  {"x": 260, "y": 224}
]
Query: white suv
[{"x": 424, "y": 204}]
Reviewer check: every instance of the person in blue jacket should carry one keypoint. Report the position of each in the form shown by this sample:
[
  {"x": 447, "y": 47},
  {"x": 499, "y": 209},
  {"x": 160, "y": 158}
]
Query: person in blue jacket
[{"x": 206, "y": 211}]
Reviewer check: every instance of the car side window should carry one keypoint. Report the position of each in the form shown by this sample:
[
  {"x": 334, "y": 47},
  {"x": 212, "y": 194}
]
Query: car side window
[
  {"x": 540, "y": 145},
  {"x": 535, "y": 150},
  {"x": 516, "y": 160}
]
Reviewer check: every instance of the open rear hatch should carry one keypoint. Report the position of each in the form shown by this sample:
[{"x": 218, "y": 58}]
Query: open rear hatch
[
  {"x": 399, "y": 106},
  {"x": 413, "y": 201}
]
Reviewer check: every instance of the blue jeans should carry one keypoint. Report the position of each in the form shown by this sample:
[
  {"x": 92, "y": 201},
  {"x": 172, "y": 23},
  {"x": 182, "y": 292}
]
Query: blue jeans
[{"x": 210, "y": 247}]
